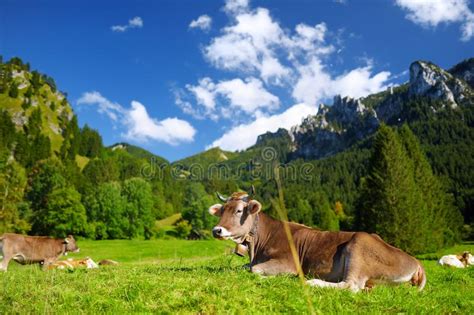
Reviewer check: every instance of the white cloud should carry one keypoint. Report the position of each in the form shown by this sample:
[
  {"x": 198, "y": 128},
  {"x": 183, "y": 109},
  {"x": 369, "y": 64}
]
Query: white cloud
[
  {"x": 315, "y": 84},
  {"x": 245, "y": 135},
  {"x": 113, "y": 110},
  {"x": 236, "y": 6},
  {"x": 204, "y": 93},
  {"x": 266, "y": 59},
  {"x": 203, "y": 22},
  {"x": 138, "y": 123},
  {"x": 247, "y": 45},
  {"x": 248, "y": 95},
  {"x": 142, "y": 127},
  {"x": 136, "y": 22},
  {"x": 430, "y": 13}
]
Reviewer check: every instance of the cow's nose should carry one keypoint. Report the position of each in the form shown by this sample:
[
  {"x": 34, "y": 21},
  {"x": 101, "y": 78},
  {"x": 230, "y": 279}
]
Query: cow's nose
[{"x": 217, "y": 231}]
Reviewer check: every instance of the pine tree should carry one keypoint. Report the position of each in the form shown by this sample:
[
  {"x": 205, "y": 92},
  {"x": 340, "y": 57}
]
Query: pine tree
[
  {"x": 391, "y": 205},
  {"x": 441, "y": 222},
  {"x": 91, "y": 142},
  {"x": 71, "y": 135},
  {"x": 13, "y": 92}
]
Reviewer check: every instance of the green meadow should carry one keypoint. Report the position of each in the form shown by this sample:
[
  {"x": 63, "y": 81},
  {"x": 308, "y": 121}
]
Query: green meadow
[{"x": 178, "y": 276}]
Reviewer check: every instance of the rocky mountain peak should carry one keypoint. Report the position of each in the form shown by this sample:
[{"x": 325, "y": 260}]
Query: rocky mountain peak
[
  {"x": 428, "y": 80},
  {"x": 464, "y": 71},
  {"x": 348, "y": 120}
]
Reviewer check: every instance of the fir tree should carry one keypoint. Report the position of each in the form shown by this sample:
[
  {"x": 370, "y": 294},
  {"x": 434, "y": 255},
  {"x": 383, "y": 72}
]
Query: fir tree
[
  {"x": 391, "y": 205},
  {"x": 442, "y": 222}
]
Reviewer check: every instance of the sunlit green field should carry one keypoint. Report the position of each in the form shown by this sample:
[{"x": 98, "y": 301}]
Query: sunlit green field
[{"x": 171, "y": 276}]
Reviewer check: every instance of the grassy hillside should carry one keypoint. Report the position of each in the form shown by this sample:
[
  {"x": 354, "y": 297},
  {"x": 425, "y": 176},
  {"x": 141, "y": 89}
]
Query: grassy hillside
[
  {"x": 203, "y": 277},
  {"x": 138, "y": 152},
  {"x": 36, "y": 91},
  {"x": 214, "y": 155}
]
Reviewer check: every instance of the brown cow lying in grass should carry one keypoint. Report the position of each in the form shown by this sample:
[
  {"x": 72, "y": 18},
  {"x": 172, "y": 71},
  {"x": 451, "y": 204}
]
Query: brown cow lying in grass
[
  {"x": 34, "y": 249},
  {"x": 344, "y": 260}
]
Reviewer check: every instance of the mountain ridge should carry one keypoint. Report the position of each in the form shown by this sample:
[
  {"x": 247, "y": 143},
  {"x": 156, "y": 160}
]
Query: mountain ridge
[{"x": 336, "y": 127}]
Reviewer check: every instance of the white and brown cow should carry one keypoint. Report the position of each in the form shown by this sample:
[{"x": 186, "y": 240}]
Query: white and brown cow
[
  {"x": 34, "y": 249},
  {"x": 70, "y": 263},
  {"x": 345, "y": 260},
  {"x": 464, "y": 260}
]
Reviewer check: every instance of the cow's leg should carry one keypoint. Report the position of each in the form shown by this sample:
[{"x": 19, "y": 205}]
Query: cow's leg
[
  {"x": 354, "y": 287},
  {"x": 4, "y": 263},
  {"x": 357, "y": 272},
  {"x": 271, "y": 268}
]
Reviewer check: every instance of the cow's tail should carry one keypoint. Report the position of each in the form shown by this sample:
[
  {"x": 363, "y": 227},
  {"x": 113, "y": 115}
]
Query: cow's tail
[{"x": 419, "y": 277}]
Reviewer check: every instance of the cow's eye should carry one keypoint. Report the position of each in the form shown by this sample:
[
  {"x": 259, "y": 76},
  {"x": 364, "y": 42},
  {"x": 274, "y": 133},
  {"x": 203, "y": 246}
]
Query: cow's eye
[{"x": 239, "y": 211}]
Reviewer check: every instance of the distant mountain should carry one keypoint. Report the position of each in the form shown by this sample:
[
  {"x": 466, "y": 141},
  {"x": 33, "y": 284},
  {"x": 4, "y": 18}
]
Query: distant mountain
[
  {"x": 138, "y": 152},
  {"x": 437, "y": 104},
  {"x": 205, "y": 158},
  {"x": 338, "y": 126}
]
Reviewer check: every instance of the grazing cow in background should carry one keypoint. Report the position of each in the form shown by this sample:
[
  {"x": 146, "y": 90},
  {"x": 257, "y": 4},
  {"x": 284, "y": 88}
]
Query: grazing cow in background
[
  {"x": 34, "y": 249},
  {"x": 344, "y": 260},
  {"x": 87, "y": 263},
  {"x": 458, "y": 261}
]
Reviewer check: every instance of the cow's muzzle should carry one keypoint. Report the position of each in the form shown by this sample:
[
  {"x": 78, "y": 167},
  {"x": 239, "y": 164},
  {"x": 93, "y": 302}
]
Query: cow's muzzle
[
  {"x": 221, "y": 232},
  {"x": 217, "y": 232}
]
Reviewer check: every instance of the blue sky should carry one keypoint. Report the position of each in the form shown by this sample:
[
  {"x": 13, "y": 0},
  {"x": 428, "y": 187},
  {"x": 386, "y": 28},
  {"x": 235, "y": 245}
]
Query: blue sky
[{"x": 176, "y": 77}]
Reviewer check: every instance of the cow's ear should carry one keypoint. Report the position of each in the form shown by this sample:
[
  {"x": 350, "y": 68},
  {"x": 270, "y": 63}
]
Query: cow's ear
[
  {"x": 66, "y": 241},
  {"x": 254, "y": 206},
  {"x": 216, "y": 210}
]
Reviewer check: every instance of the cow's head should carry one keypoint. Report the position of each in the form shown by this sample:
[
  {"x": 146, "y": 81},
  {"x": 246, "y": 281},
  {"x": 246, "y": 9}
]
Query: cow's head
[
  {"x": 70, "y": 244},
  {"x": 237, "y": 216},
  {"x": 467, "y": 259}
]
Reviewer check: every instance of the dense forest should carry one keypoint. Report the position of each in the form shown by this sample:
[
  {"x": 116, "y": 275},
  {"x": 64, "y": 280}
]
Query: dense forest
[{"x": 411, "y": 181}]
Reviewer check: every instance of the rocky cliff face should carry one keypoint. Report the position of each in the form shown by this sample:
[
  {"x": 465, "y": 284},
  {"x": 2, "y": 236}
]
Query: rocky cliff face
[
  {"x": 464, "y": 71},
  {"x": 336, "y": 127},
  {"x": 428, "y": 80}
]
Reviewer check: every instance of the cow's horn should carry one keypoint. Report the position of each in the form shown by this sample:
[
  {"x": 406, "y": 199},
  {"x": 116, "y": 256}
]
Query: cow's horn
[
  {"x": 252, "y": 191},
  {"x": 221, "y": 198}
]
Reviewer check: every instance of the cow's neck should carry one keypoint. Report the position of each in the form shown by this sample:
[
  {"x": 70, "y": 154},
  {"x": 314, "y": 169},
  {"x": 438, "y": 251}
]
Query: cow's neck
[{"x": 265, "y": 229}]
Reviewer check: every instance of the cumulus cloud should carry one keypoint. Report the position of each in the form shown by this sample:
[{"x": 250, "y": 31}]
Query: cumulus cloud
[
  {"x": 203, "y": 22},
  {"x": 316, "y": 84},
  {"x": 245, "y": 135},
  {"x": 431, "y": 13},
  {"x": 138, "y": 123},
  {"x": 236, "y": 6},
  {"x": 248, "y": 95},
  {"x": 266, "y": 59},
  {"x": 204, "y": 93},
  {"x": 136, "y": 22},
  {"x": 113, "y": 110},
  {"x": 248, "y": 45},
  {"x": 142, "y": 127}
]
